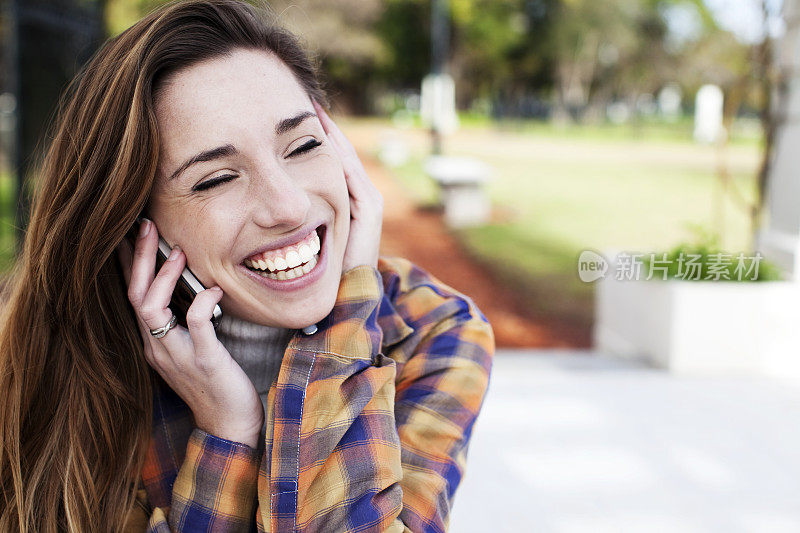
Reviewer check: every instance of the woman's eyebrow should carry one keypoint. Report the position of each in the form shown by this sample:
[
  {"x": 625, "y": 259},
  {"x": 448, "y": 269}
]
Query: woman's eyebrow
[
  {"x": 288, "y": 124},
  {"x": 207, "y": 155},
  {"x": 228, "y": 150}
]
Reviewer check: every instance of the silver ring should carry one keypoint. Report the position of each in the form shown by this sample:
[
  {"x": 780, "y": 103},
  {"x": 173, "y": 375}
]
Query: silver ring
[{"x": 160, "y": 332}]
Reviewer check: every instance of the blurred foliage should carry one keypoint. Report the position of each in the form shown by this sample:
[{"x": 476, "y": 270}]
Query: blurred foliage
[
  {"x": 576, "y": 56},
  {"x": 703, "y": 259},
  {"x": 7, "y": 223}
]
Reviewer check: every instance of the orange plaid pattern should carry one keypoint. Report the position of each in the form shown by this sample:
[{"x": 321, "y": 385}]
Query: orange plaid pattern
[{"x": 368, "y": 423}]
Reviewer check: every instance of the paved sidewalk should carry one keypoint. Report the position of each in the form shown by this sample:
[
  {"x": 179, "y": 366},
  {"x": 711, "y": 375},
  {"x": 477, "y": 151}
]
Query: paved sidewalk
[{"x": 579, "y": 442}]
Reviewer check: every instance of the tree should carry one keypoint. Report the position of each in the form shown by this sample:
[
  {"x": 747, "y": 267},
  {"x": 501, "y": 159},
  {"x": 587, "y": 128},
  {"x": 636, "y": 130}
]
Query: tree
[{"x": 340, "y": 33}]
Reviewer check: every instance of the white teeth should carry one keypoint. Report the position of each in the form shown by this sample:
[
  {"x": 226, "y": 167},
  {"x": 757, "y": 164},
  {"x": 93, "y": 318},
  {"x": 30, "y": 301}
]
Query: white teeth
[
  {"x": 293, "y": 259},
  {"x": 297, "y": 262},
  {"x": 287, "y": 274},
  {"x": 305, "y": 252}
]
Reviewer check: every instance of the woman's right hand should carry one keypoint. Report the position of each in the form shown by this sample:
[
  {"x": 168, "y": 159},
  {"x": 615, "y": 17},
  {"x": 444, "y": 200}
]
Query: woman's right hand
[{"x": 193, "y": 362}]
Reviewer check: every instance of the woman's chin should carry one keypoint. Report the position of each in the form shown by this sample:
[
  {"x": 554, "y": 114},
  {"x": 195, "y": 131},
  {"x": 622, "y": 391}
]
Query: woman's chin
[
  {"x": 301, "y": 323},
  {"x": 287, "y": 320}
]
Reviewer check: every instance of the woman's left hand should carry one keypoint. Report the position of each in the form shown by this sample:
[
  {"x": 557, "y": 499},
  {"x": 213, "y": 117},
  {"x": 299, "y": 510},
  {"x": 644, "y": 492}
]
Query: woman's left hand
[{"x": 366, "y": 202}]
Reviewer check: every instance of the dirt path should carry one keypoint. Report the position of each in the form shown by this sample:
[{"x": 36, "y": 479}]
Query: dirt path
[{"x": 421, "y": 237}]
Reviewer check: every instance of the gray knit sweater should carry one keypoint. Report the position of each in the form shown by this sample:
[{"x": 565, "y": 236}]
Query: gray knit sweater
[{"x": 259, "y": 351}]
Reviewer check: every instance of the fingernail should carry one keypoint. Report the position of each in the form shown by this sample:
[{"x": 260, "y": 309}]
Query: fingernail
[
  {"x": 173, "y": 255},
  {"x": 145, "y": 228}
]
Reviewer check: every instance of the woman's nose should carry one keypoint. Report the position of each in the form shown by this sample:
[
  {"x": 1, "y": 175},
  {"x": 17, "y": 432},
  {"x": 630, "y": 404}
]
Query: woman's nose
[{"x": 279, "y": 200}]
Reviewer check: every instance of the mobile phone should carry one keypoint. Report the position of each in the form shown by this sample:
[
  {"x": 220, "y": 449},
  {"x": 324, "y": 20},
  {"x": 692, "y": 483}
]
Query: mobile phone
[{"x": 187, "y": 286}]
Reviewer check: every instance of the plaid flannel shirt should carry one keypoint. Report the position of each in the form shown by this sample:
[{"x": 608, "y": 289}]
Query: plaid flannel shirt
[{"x": 368, "y": 423}]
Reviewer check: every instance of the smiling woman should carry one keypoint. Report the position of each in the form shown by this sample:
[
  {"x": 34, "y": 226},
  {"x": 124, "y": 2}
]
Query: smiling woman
[
  {"x": 270, "y": 180},
  {"x": 339, "y": 389}
]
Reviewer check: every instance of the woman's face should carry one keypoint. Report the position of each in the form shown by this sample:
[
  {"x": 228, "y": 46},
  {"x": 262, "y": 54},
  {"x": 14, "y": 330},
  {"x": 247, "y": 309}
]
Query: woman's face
[{"x": 283, "y": 188}]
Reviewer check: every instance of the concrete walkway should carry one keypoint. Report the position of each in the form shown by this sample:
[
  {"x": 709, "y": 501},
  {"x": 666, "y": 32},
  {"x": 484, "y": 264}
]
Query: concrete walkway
[{"x": 579, "y": 442}]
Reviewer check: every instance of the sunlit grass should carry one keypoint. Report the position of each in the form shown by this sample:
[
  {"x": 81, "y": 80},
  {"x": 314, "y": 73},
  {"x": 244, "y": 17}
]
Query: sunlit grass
[
  {"x": 558, "y": 191},
  {"x": 744, "y": 131}
]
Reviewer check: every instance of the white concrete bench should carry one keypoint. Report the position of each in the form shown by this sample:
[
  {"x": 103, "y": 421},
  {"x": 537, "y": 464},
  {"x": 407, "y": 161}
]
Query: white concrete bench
[{"x": 461, "y": 184}]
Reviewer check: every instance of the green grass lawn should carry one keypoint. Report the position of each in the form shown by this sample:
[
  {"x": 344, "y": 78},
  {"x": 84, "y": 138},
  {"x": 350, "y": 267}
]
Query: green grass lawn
[{"x": 558, "y": 191}]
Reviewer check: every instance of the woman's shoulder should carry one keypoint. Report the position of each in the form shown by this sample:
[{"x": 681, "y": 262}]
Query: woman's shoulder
[
  {"x": 419, "y": 293},
  {"x": 401, "y": 276},
  {"x": 421, "y": 316}
]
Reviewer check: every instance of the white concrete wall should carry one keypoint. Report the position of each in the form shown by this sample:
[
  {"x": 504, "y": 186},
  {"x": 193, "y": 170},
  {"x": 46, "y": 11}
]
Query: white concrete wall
[{"x": 779, "y": 239}]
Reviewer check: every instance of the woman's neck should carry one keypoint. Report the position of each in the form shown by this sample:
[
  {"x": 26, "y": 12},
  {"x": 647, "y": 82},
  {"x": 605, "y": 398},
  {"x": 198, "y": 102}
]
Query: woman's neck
[{"x": 257, "y": 348}]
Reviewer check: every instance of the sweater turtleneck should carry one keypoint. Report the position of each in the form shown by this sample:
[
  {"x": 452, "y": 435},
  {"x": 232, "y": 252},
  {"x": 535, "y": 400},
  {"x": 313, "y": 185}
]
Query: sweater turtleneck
[{"x": 258, "y": 350}]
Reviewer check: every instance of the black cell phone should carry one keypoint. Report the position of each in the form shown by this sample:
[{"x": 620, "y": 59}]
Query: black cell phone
[{"x": 187, "y": 286}]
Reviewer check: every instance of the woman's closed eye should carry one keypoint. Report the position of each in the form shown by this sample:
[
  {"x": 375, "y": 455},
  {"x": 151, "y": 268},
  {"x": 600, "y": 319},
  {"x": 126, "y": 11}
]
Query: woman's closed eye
[
  {"x": 310, "y": 145},
  {"x": 305, "y": 147}
]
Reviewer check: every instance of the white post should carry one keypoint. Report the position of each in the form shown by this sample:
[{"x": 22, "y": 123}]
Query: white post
[
  {"x": 438, "y": 103},
  {"x": 708, "y": 114}
]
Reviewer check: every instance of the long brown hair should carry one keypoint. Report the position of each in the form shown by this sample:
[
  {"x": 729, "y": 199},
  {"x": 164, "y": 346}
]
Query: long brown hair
[{"x": 75, "y": 386}]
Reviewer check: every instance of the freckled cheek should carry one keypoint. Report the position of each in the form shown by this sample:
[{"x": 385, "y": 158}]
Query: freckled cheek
[
  {"x": 331, "y": 180},
  {"x": 211, "y": 236}
]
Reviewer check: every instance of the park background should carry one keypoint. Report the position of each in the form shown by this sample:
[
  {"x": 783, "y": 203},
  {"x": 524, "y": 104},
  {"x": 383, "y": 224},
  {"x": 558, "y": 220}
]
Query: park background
[{"x": 583, "y": 113}]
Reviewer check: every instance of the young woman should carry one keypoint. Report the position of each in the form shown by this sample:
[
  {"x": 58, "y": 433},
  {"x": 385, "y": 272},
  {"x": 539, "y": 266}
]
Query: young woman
[{"x": 339, "y": 390}]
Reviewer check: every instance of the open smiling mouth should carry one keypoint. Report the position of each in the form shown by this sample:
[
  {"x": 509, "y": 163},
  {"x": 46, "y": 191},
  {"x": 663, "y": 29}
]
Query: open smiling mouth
[{"x": 289, "y": 262}]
